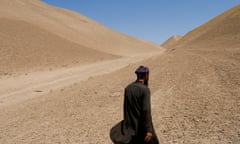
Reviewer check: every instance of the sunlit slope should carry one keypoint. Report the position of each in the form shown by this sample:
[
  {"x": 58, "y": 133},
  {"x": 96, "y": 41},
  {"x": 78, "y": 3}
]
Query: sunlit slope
[
  {"x": 74, "y": 27},
  {"x": 221, "y": 30}
]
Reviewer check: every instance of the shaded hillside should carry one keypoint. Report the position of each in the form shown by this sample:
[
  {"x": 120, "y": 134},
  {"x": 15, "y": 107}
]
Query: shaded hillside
[
  {"x": 25, "y": 47},
  {"x": 74, "y": 27},
  {"x": 171, "y": 41}
]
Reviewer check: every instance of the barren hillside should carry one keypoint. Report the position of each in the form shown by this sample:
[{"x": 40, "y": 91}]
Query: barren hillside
[
  {"x": 199, "y": 84},
  {"x": 25, "y": 47}
]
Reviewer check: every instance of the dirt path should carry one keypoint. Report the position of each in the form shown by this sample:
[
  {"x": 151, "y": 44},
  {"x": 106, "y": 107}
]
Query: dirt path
[{"x": 17, "y": 89}]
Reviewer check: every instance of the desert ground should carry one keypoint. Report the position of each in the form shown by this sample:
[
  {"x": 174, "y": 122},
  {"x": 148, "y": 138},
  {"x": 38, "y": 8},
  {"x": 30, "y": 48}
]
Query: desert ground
[{"x": 62, "y": 77}]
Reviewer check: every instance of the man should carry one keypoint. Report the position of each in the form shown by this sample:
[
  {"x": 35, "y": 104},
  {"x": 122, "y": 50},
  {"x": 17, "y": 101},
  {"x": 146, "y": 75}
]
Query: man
[{"x": 137, "y": 109}]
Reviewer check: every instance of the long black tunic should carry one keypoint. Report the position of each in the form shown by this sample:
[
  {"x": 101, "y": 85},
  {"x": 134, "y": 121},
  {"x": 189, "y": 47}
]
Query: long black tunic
[{"x": 137, "y": 111}]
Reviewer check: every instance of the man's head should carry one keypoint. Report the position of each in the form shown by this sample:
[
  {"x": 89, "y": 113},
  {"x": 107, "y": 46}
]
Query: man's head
[{"x": 142, "y": 73}]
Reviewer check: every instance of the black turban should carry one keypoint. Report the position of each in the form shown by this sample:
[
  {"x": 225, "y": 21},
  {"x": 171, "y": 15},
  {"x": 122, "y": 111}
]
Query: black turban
[{"x": 142, "y": 70}]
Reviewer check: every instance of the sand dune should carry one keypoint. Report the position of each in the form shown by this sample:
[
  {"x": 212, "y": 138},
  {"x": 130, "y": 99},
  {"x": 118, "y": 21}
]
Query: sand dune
[{"x": 195, "y": 87}]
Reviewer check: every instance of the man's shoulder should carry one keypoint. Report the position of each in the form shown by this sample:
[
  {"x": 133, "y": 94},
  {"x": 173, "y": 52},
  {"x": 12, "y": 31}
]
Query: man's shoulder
[{"x": 137, "y": 84}]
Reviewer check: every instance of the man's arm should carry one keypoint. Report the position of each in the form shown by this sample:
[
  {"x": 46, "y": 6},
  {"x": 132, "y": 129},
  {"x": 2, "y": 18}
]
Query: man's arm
[{"x": 147, "y": 117}]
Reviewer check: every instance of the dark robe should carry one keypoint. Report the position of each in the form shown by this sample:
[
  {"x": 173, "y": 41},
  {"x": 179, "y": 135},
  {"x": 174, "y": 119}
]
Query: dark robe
[{"x": 137, "y": 112}]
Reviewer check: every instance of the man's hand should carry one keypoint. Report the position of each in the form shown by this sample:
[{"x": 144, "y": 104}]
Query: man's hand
[{"x": 148, "y": 137}]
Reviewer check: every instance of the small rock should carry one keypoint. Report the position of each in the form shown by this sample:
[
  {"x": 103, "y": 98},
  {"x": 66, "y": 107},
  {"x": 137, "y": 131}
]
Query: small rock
[
  {"x": 116, "y": 94},
  {"x": 38, "y": 91}
]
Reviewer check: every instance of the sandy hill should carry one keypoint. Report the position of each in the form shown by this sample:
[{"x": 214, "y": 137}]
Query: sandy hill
[
  {"x": 171, "y": 41},
  {"x": 74, "y": 27},
  {"x": 27, "y": 47},
  {"x": 35, "y": 35}
]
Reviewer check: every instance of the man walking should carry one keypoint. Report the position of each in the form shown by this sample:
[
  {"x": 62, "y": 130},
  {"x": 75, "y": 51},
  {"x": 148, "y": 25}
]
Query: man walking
[{"x": 137, "y": 109}]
